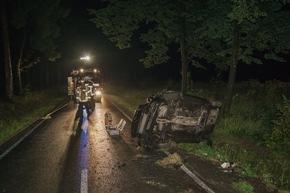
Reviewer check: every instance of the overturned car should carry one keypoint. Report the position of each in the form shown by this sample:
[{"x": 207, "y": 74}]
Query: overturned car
[{"x": 169, "y": 116}]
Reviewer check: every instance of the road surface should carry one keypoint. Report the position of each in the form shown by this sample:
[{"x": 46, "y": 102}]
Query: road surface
[{"x": 68, "y": 154}]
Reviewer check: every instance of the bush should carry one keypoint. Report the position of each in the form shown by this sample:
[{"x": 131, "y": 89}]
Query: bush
[
  {"x": 278, "y": 139},
  {"x": 257, "y": 131}
]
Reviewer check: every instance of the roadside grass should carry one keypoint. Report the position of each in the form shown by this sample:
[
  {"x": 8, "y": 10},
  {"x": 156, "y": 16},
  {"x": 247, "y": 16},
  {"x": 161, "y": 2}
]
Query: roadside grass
[
  {"x": 243, "y": 187},
  {"x": 132, "y": 97},
  {"x": 24, "y": 110},
  {"x": 256, "y": 134}
]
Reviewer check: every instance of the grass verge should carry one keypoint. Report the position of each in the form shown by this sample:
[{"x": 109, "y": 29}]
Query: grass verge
[
  {"x": 243, "y": 187},
  {"x": 24, "y": 110}
]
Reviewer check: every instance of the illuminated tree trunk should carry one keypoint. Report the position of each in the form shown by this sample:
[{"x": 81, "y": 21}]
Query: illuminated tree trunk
[
  {"x": 19, "y": 70},
  {"x": 6, "y": 47},
  {"x": 184, "y": 60},
  {"x": 184, "y": 66},
  {"x": 233, "y": 70}
]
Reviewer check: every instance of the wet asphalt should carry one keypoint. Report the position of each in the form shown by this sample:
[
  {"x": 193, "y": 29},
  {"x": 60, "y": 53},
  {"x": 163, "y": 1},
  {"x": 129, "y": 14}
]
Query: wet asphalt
[{"x": 69, "y": 154}]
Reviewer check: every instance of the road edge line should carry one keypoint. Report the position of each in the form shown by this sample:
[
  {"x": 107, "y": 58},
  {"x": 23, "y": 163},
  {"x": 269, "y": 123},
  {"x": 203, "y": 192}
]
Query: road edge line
[
  {"x": 183, "y": 167},
  {"x": 41, "y": 120},
  {"x": 193, "y": 176}
]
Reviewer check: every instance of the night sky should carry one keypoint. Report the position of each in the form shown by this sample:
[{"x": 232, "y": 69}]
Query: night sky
[{"x": 80, "y": 37}]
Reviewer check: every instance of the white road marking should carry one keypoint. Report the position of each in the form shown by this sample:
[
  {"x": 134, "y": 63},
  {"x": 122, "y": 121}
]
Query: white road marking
[
  {"x": 84, "y": 181},
  {"x": 24, "y": 136},
  {"x": 193, "y": 176},
  {"x": 21, "y": 139},
  {"x": 48, "y": 116},
  {"x": 183, "y": 167},
  {"x": 128, "y": 117}
]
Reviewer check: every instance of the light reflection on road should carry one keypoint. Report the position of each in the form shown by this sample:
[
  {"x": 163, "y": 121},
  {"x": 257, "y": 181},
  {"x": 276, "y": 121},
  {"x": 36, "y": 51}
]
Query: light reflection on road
[{"x": 83, "y": 155}]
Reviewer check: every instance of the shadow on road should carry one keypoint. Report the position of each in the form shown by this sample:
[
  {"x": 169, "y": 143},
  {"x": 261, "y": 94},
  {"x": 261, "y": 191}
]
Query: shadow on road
[{"x": 70, "y": 169}]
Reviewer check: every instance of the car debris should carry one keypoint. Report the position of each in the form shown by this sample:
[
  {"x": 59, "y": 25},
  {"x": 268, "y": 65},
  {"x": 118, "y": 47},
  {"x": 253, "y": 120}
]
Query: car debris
[
  {"x": 229, "y": 166},
  {"x": 113, "y": 129}
]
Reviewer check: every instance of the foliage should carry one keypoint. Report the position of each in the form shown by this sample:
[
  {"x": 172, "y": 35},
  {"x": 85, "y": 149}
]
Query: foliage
[
  {"x": 159, "y": 24},
  {"x": 208, "y": 28},
  {"x": 224, "y": 33},
  {"x": 204, "y": 150},
  {"x": 39, "y": 22},
  {"x": 254, "y": 19},
  {"x": 278, "y": 139},
  {"x": 257, "y": 128},
  {"x": 243, "y": 187},
  {"x": 242, "y": 31}
]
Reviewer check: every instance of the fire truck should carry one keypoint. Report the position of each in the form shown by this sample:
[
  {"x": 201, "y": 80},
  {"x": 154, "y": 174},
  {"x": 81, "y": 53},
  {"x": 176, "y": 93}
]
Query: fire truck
[{"x": 85, "y": 86}]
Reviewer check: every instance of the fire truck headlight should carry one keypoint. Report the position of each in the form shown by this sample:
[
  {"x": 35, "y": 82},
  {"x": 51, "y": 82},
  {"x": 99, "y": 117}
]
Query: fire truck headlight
[{"x": 98, "y": 92}]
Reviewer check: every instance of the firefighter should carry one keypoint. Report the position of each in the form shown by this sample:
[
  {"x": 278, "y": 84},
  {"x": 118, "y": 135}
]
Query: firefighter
[{"x": 83, "y": 98}]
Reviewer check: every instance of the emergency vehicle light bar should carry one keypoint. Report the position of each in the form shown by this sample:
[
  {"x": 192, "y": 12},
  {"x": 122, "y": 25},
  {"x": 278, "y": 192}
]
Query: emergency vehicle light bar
[
  {"x": 85, "y": 70},
  {"x": 82, "y": 70}
]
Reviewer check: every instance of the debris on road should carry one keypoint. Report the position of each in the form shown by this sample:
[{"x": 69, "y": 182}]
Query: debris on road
[
  {"x": 113, "y": 129},
  {"x": 171, "y": 160},
  {"x": 228, "y": 166}
]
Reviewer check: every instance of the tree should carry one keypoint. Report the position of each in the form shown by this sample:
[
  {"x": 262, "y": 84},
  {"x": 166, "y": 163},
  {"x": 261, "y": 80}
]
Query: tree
[
  {"x": 37, "y": 22},
  {"x": 160, "y": 23},
  {"x": 235, "y": 32},
  {"x": 251, "y": 21},
  {"x": 7, "y": 58},
  {"x": 225, "y": 33}
]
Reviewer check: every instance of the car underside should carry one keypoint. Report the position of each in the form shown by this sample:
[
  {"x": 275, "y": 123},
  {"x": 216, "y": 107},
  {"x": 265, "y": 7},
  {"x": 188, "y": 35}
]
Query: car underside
[{"x": 168, "y": 116}]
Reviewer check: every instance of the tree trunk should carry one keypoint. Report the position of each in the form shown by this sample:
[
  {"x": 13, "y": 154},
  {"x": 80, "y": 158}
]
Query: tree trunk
[
  {"x": 19, "y": 64},
  {"x": 6, "y": 46},
  {"x": 184, "y": 60},
  {"x": 184, "y": 66},
  {"x": 233, "y": 70}
]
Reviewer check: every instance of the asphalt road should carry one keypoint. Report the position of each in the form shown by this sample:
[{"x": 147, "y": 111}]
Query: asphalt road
[
  {"x": 70, "y": 154},
  {"x": 54, "y": 158}
]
